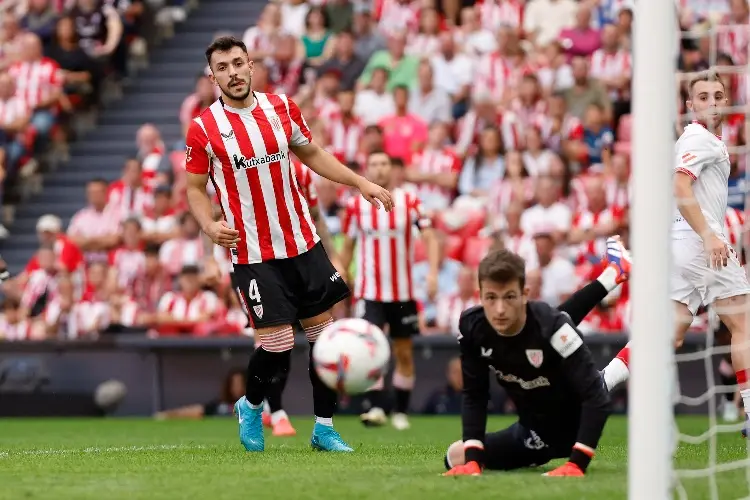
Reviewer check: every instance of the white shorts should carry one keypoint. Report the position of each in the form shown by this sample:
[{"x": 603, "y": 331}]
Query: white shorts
[{"x": 694, "y": 283}]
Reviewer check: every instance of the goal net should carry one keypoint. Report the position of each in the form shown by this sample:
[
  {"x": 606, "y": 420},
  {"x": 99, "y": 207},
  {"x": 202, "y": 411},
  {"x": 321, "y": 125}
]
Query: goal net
[{"x": 685, "y": 437}]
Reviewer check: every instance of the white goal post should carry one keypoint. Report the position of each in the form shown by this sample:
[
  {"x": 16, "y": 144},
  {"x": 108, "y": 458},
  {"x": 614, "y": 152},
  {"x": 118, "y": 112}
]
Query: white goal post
[{"x": 650, "y": 424}]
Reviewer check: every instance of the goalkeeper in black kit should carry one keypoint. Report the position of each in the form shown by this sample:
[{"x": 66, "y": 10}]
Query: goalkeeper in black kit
[{"x": 537, "y": 355}]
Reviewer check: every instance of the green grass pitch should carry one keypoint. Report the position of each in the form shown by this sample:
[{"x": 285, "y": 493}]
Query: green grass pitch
[{"x": 144, "y": 459}]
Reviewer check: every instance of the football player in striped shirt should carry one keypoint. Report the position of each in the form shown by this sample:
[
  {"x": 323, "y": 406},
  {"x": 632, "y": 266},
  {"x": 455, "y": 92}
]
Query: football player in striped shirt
[
  {"x": 384, "y": 285},
  {"x": 243, "y": 143}
]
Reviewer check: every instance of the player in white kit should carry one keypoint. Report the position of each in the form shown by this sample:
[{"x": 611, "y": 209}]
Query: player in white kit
[{"x": 706, "y": 268}]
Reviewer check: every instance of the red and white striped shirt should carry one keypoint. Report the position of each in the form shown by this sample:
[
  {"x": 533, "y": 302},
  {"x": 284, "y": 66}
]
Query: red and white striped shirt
[
  {"x": 571, "y": 129},
  {"x": 39, "y": 283},
  {"x": 88, "y": 317},
  {"x": 305, "y": 178},
  {"x": 128, "y": 202},
  {"x": 734, "y": 39},
  {"x": 493, "y": 14},
  {"x": 12, "y": 109},
  {"x": 256, "y": 40},
  {"x": 130, "y": 314},
  {"x": 21, "y": 330},
  {"x": 734, "y": 228},
  {"x": 587, "y": 220},
  {"x": 449, "y": 309},
  {"x": 396, "y": 16},
  {"x": 150, "y": 290},
  {"x": 183, "y": 309},
  {"x": 606, "y": 66},
  {"x": 618, "y": 195},
  {"x": 470, "y": 127},
  {"x": 494, "y": 75},
  {"x": 506, "y": 191},
  {"x": 36, "y": 81},
  {"x": 385, "y": 253},
  {"x": 90, "y": 223},
  {"x": 423, "y": 45},
  {"x": 436, "y": 161},
  {"x": 246, "y": 152},
  {"x": 326, "y": 109},
  {"x": 150, "y": 162},
  {"x": 178, "y": 253},
  {"x": 344, "y": 137},
  {"x": 130, "y": 265}
]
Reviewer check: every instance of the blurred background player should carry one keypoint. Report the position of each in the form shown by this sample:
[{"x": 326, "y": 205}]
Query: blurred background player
[
  {"x": 384, "y": 287},
  {"x": 244, "y": 141},
  {"x": 701, "y": 177},
  {"x": 539, "y": 358}
]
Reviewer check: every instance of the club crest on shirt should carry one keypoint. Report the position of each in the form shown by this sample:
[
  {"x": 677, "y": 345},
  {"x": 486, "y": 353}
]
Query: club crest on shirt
[
  {"x": 275, "y": 122},
  {"x": 258, "y": 311},
  {"x": 535, "y": 357}
]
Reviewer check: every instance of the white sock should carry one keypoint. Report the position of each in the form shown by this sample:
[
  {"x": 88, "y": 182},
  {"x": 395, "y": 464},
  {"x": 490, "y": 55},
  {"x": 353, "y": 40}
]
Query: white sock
[
  {"x": 266, "y": 406},
  {"x": 608, "y": 278},
  {"x": 324, "y": 421},
  {"x": 615, "y": 373},
  {"x": 277, "y": 416},
  {"x": 252, "y": 406},
  {"x": 745, "y": 393}
]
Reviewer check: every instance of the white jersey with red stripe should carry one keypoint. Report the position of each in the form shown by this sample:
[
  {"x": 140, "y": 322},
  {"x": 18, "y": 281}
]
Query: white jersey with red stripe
[
  {"x": 586, "y": 220},
  {"x": 704, "y": 157},
  {"x": 36, "y": 81},
  {"x": 12, "y": 109},
  {"x": 495, "y": 14},
  {"x": 385, "y": 250},
  {"x": 607, "y": 65},
  {"x": 344, "y": 136},
  {"x": 20, "y": 330},
  {"x": 734, "y": 228},
  {"x": 246, "y": 154},
  {"x": 183, "y": 309}
]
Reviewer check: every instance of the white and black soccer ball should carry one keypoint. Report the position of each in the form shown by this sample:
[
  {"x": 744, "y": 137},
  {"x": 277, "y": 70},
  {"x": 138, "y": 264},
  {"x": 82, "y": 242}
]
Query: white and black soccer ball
[{"x": 351, "y": 355}]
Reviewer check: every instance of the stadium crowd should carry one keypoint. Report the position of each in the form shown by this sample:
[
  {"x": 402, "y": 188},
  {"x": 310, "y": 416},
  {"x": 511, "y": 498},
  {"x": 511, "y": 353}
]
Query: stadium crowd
[{"x": 510, "y": 119}]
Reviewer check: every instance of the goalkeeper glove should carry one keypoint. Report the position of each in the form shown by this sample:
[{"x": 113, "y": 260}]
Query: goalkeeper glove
[
  {"x": 467, "y": 469},
  {"x": 568, "y": 469}
]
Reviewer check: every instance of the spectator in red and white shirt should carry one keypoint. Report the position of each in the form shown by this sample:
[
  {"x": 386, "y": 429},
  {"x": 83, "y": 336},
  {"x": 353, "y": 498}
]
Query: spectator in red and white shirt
[
  {"x": 13, "y": 327},
  {"x": 344, "y": 129},
  {"x": 473, "y": 39},
  {"x": 161, "y": 222},
  {"x": 425, "y": 43},
  {"x": 549, "y": 213},
  {"x": 450, "y": 306},
  {"x": 151, "y": 152},
  {"x": 435, "y": 170},
  {"x": 58, "y": 311},
  {"x": 41, "y": 285},
  {"x": 14, "y": 119},
  {"x": 515, "y": 240},
  {"x": 186, "y": 250},
  {"x": 186, "y": 309},
  {"x": 261, "y": 38},
  {"x": 558, "y": 275},
  {"x": 127, "y": 196},
  {"x": 593, "y": 225},
  {"x": 127, "y": 264},
  {"x": 90, "y": 314},
  {"x": 95, "y": 229},
  {"x": 612, "y": 65},
  {"x": 39, "y": 82},
  {"x": 155, "y": 283},
  {"x": 196, "y": 102}
]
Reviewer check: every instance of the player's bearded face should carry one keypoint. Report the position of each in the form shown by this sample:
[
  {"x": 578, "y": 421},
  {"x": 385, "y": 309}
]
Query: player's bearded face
[
  {"x": 232, "y": 71},
  {"x": 504, "y": 305},
  {"x": 707, "y": 102}
]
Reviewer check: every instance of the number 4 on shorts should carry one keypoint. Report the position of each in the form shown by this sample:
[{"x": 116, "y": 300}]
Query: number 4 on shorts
[{"x": 252, "y": 293}]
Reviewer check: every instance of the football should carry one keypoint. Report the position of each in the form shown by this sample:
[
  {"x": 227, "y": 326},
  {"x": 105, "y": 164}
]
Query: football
[{"x": 351, "y": 355}]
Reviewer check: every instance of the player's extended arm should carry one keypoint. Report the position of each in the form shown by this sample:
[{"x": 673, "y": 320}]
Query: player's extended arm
[
  {"x": 476, "y": 394},
  {"x": 578, "y": 368},
  {"x": 326, "y": 165}
]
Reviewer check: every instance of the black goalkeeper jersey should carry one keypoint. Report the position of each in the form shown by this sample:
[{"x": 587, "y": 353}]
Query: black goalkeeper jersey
[{"x": 546, "y": 369}]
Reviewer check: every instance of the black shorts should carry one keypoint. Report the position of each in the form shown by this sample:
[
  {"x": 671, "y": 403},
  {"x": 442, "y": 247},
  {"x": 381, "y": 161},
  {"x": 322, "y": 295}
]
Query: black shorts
[
  {"x": 402, "y": 318},
  {"x": 284, "y": 291},
  {"x": 518, "y": 447}
]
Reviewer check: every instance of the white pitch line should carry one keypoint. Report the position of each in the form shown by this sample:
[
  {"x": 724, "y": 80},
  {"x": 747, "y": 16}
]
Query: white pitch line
[{"x": 96, "y": 450}]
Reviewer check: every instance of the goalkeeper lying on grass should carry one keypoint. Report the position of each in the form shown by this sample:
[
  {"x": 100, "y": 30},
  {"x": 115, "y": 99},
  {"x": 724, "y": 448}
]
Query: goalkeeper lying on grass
[{"x": 538, "y": 357}]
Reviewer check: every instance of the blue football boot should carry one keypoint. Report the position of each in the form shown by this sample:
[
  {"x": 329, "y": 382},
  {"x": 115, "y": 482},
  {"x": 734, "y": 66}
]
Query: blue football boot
[
  {"x": 251, "y": 425},
  {"x": 325, "y": 438}
]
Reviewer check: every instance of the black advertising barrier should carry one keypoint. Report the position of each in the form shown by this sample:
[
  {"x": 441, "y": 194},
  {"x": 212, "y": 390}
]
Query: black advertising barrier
[{"x": 168, "y": 372}]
